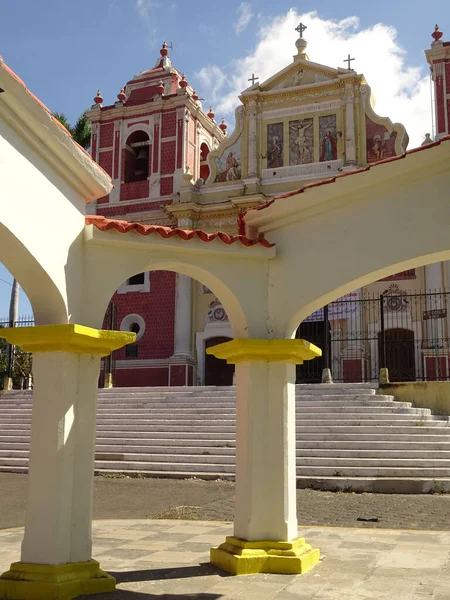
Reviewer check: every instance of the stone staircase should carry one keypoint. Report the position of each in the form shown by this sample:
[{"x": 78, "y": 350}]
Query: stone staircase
[{"x": 348, "y": 437}]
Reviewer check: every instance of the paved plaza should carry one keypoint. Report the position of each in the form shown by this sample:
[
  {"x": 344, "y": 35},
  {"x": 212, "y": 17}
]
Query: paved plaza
[
  {"x": 123, "y": 498},
  {"x": 169, "y": 559}
]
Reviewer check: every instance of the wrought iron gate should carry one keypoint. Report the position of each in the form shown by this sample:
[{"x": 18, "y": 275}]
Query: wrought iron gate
[{"x": 406, "y": 332}]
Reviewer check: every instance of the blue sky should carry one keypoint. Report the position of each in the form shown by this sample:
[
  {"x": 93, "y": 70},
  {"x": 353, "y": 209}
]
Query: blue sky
[{"x": 65, "y": 51}]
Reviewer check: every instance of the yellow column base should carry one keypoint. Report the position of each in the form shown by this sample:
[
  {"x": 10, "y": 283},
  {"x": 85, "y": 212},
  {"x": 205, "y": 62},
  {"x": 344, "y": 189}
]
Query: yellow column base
[
  {"x": 54, "y": 582},
  {"x": 240, "y": 557}
]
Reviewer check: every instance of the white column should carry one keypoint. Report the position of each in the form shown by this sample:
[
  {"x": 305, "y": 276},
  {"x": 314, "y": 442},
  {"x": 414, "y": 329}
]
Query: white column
[
  {"x": 183, "y": 317},
  {"x": 58, "y": 522},
  {"x": 350, "y": 146},
  {"x": 434, "y": 283},
  {"x": 252, "y": 140},
  {"x": 265, "y": 452}
]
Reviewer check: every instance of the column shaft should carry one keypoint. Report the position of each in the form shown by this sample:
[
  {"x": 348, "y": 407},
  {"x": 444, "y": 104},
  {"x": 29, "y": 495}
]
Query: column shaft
[
  {"x": 265, "y": 452},
  {"x": 58, "y": 523},
  {"x": 183, "y": 318}
]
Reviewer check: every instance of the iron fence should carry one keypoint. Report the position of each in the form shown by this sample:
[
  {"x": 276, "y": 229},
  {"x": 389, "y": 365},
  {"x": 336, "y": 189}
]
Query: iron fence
[
  {"x": 14, "y": 362},
  {"x": 406, "y": 332}
]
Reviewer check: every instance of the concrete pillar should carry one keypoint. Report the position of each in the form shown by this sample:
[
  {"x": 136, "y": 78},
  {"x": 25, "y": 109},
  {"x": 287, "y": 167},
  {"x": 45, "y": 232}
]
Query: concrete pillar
[
  {"x": 350, "y": 146},
  {"x": 434, "y": 283},
  {"x": 183, "y": 317},
  {"x": 252, "y": 141},
  {"x": 56, "y": 559},
  {"x": 265, "y": 523},
  {"x": 58, "y": 523}
]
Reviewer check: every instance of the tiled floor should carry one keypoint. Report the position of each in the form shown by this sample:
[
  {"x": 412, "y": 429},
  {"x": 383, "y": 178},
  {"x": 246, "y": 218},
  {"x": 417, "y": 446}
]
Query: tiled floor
[{"x": 169, "y": 559}]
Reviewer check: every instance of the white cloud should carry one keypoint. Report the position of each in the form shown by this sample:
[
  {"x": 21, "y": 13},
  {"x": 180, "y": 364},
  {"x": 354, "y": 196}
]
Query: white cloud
[
  {"x": 244, "y": 16},
  {"x": 401, "y": 91},
  {"x": 143, "y": 7}
]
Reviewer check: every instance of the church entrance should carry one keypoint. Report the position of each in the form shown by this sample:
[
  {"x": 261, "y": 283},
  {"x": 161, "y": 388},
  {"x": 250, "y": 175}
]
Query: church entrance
[
  {"x": 400, "y": 357},
  {"x": 311, "y": 370},
  {"x": 217, "y": 371}
]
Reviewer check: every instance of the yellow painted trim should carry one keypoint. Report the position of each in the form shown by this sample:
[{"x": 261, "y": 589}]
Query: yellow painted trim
[
  {"x": 240, "y": 557},
  {"x": 244, "y": 350},
  {"x": 67, "y": 338},
  {"x": 54, "y": 582}
]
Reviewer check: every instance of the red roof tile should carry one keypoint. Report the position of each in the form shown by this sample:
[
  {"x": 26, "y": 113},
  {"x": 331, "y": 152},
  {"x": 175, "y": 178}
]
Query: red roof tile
[
  {"x": 241, "y": 218},
  {"x": 104, "y": 224}
]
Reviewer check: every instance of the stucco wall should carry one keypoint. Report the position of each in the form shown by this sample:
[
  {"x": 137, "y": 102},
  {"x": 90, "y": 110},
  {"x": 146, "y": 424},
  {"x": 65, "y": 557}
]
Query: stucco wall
[{"x": 423, "y": 394}]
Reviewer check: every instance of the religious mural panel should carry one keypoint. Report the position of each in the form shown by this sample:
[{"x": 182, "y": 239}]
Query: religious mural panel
[
  {"x": 328, "y": 138},
  {"x": 301, "y": 142},
  {"x": 229, "y": 164},
  {"x": 380, "y": 143},
  {"x": 275, "y": 141}
]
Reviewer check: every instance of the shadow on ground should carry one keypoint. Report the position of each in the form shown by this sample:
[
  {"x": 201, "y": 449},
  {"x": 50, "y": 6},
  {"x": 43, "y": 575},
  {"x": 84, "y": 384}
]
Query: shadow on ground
[
  {"x": 125, "y": 595},
  {"x": 202, "y": 570}
]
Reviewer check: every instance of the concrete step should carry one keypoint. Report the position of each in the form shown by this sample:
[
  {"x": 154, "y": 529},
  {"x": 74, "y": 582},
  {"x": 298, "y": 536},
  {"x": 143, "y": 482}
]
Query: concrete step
[{"x": 343, "y": 471}]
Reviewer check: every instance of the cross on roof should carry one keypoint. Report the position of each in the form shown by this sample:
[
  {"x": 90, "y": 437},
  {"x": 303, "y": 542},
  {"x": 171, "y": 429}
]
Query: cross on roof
[
  {"x": 253, "y": 79},
  {"x": 301, "y": 28},
  {"x": 348, "y": 60}
]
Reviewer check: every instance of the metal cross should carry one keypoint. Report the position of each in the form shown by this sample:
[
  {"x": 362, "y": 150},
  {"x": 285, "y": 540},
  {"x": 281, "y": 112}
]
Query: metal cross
[
  {"x": 253, "y": 79},
  {"x": 348, "y": 60},
  {"x": 301, "y": 28}
]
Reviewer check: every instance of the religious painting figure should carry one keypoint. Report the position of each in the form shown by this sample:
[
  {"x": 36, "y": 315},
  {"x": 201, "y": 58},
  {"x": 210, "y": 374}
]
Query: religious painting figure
[
  {"x": 229, "y": 164},
  {"x": 380, "y": 143},
  {"x": 301, "y": 142},
  {"x": 275, "y": 145},
  {"x": 328, "y": 138}
]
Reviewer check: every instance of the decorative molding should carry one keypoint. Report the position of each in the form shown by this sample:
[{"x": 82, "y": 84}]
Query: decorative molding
[
  {"x": 130, "y": 320},
  {"x": 297, "y": 110},
  {"x": 318, "y": 168}
]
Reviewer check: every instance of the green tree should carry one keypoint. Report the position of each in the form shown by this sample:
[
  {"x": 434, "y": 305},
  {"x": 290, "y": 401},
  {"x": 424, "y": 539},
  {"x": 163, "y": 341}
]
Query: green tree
[{"x": 81, "y": 131}]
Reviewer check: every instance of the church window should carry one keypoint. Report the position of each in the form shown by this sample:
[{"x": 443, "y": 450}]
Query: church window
[
  {"x": 138, "y": 279},
  {"x": 204, "y": 168},
  {"x": 137, "y": 157}
]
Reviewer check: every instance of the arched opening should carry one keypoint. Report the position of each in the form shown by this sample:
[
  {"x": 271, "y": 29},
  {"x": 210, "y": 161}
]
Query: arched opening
[
  {"x": 397, "y": 353},
  {"x": 204, "y": 168},
  {"x": 217, "y": 372},
  {"x": 175, "y": 318},
  {"x": 318, "y": 332},
  {"x": 137, "y": 157}
]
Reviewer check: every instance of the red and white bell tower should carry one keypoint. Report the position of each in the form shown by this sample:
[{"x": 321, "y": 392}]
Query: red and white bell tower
[{"x": 438, "y": 56}]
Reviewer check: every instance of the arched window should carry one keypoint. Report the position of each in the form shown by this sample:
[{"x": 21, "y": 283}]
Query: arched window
[
  {"x": 137, "y": 157},
  {"x": 204, "y": 169}
]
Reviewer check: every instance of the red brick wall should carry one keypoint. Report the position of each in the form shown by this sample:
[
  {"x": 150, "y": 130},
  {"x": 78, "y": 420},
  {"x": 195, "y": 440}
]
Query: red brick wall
[
  {"x": 106, "y": 134},
  {"x": 168, "y": 157},
  {"x": 166, "y": 186},
  {"x": 157, "y": 308},
  {"x": 105, "y": 160},
  {"x": 157, "y": 376},
  {"x": 169, "y": 124},
  {"x": 134, "y": 190},
  {"x": 447, "y": 76},
  {"x": 120, "y": 210}
]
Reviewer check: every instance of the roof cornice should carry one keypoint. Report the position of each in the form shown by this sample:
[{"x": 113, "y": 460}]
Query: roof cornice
[{"x": 33, "y": 121}]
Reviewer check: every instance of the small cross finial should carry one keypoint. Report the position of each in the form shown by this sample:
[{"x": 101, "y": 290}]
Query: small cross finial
[
  {"x": 253, "y": 79},
  {"x": 301, "y": 28},
  {"x": 348, "y": 60}
]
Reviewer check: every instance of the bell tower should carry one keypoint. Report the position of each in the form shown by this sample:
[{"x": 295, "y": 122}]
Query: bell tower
[{"x": 438, "y": 57}]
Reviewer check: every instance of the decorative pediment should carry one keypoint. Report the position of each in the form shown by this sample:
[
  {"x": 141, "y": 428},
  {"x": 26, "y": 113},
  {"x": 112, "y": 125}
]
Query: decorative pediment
[{"x": 300, "y": 73}]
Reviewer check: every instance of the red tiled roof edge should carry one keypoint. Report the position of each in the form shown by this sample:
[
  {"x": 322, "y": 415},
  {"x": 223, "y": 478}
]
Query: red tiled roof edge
[
  {"x": 241, "y": 218},
  {"x": 104, "y": 224},
  {"x": 42, "y": 105}
]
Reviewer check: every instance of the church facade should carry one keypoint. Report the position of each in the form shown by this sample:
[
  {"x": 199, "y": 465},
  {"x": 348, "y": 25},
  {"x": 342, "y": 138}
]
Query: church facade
[{"x": 173, "y": 165}]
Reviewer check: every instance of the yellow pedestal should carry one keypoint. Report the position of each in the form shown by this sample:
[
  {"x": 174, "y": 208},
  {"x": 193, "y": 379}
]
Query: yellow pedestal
[
  {"x": 240, "y": 557},
  {"x": 48, "y": 582}
]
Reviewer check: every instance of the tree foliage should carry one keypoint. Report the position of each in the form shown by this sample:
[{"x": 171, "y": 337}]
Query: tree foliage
[{"x": 81, "y": 131}]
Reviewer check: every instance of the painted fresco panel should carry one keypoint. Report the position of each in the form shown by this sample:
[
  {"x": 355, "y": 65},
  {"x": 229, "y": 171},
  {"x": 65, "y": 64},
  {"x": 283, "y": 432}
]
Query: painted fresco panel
[
  {"x": 275, "y": 142},
  {"x": 328, "y": 138},
  {"x": 301, "y": 142},
  {"x": 229, "y": 164},
  {"x": 380, "y": 143}
]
